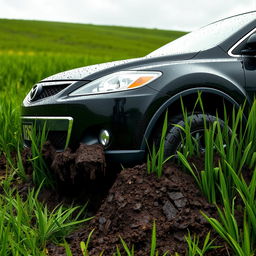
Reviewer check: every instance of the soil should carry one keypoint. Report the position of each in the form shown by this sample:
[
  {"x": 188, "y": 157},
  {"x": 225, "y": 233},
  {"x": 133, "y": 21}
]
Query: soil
[
  {"x": 88, "y": 161},
  {"x": 79, "y": 174},
  {"x": 124, "y": 206},
  {"x": 134, "y": 202}
]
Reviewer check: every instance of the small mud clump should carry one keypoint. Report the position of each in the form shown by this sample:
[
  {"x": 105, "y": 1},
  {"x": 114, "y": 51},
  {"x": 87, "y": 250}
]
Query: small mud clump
[
  {"x": 87, "y": 161},
  {"x": 134, "y": 202},
  {"x": 79, "y": 175}
]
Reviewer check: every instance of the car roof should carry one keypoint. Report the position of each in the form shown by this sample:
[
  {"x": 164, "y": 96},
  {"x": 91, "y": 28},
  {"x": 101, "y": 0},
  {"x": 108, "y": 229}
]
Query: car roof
[{"x": 236, "y": 15}]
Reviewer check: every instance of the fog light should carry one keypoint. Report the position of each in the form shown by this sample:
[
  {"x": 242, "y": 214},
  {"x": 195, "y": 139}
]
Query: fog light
[{"x": 104, "y": 137}]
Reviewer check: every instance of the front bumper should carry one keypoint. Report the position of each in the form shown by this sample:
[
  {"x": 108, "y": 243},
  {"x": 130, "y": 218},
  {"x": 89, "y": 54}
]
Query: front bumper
[
  {"x": 124, "y": 114},
  {"x": 59, "y": 130}
]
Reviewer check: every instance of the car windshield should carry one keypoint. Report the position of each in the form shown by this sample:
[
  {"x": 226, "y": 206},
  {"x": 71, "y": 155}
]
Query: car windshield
[{"x": 206, "y": 37}]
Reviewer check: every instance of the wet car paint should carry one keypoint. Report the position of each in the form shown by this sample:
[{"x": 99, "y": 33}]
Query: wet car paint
[{"x": 130, "y": 116}]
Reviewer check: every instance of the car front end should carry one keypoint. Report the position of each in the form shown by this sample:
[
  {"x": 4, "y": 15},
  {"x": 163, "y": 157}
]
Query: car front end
[{"x": 112, "y": 110}]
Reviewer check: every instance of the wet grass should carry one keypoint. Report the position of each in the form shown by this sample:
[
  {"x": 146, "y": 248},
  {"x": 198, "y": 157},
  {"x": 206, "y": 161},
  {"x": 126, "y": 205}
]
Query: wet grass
[
  {"x": 223, "y": 182},
  {"x": 26, "y": 225},
  {"x": 228, "y": 176}
]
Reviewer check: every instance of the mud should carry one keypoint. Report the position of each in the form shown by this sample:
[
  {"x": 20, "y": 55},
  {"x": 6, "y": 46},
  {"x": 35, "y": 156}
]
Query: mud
[
  {"x": 87, "y": 161},
  {"x": 125, "y": 206},
  {"x": 79, "y": 175},
  {"x": 134, "y": 202}
]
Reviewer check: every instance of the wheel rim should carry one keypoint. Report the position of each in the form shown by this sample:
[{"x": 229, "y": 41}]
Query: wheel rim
[{"x": 198, "y": 138}]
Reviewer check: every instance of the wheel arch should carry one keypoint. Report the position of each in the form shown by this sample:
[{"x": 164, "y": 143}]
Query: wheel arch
[{"x": 188, "y": 96}]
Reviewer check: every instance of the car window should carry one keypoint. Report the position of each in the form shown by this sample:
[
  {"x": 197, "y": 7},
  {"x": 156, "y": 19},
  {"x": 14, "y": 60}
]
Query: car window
[
  {"x": 241, "y": 44},
  {"x": 206, "y": 37}
]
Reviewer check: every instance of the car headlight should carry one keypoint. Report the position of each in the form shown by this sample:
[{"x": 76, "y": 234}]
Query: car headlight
[{"x": 120, "y": 81}]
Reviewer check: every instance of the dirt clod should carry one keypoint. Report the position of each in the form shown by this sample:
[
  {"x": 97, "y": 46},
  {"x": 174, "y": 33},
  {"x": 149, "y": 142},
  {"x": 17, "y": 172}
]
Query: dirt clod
[
  {"x": 175, "y": 195},
  {"x": 169, "y": 210},
  {"x": 87, "y": 161},
  {"x": 48, "y": 152},
  {"x": 180, "y": 202}
]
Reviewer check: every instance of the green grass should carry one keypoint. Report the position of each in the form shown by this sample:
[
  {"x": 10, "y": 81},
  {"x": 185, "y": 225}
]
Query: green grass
[
  {"x": 241, "y": 238},
  {"x": 33, "y": 37},
  {"x": 194, "y": 248},
  {"x": 222, "y": 182},
  {"x": 231, "y": 140},
  {"x": 26, "y": 225},
  {"x": 156, "y": 157}
]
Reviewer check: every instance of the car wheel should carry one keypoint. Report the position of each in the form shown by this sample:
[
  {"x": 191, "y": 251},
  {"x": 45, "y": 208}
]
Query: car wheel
[{"x": 174, "y": 135}]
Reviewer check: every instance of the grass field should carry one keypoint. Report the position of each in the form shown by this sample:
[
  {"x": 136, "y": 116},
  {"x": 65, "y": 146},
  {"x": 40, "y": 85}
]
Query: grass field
[
  {"x": 33, "y": 37},
  {"x": 32, "y": 50}
]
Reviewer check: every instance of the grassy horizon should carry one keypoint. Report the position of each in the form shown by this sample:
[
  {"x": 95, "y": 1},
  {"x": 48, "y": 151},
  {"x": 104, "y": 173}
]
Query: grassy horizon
[{"x": 28, "y": 37}]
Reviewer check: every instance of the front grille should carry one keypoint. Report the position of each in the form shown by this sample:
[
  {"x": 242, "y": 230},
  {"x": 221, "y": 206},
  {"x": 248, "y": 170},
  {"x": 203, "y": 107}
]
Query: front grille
[
  {"x": 45, "y": 90},
  {"x": 57, "y": 139},
  {"x": 51, "y": 90}
]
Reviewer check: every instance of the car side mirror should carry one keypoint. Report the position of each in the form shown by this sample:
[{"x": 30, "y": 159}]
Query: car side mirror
[{"x": 250, "y": 46}]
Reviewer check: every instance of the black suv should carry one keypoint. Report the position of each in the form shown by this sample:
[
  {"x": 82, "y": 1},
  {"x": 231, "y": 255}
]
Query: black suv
[{"x": 121, "y": 104}]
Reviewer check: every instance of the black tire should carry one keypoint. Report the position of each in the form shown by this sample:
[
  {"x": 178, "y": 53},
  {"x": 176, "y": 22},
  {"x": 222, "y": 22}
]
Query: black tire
[{"x": 175, "y": 134}]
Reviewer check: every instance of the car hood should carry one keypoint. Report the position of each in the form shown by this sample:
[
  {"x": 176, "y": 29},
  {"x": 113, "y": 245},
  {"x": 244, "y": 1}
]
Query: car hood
[
  {"x": 83, "y": 72},
  {"x": 89, "y": 72}
]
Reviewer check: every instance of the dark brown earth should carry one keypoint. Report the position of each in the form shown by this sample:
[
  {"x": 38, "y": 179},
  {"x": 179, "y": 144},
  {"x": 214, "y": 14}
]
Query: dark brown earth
[
  {"x": 78, "y": 176},
  {"x": 88, "y": 161},
  {"x": 128, "y": 208},
  {"x": 134, "y": 202}
]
